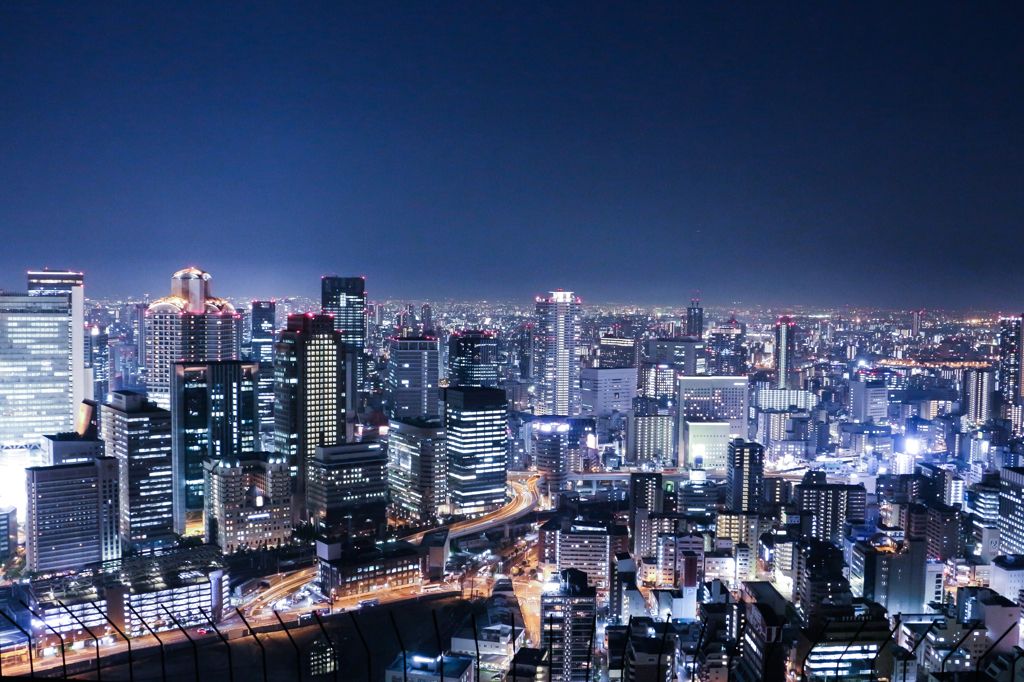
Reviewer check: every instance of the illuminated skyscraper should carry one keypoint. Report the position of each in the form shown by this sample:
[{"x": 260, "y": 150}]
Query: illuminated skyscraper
[
  {"x": 473, "y": 359},
  {"x": 214, "y": 415},
  {"x": 412, "y": 377},
  {"x": 427, "y": 319},
  {"x": 72, "y": 285},
  {"x": 1011, "y": 349},
  {"x": 35, "y": 382},
  {"x": 615, "y": 351},
  {"x": 977, "y": 391},
  {"x": 264, "y": 324},
  {"x": 785, "y": 349},
  {"x": 248, "y": 501},
  {"x": 476, "y": 423},
  {"x": 313, "y": 392},
  {"x": 714, "y": 399},
  {"x": 745, "y": 477},
  {"x": 345, "y": 299},
  {"x": 695, "y": 319},
  {"x": 417, "y": 468},
  {"x": 687, "y": 356},
  {"x": 97, "y": 360},
  {"x": 72, "y": 515},
  {"x": 726, "y": 352},
  {"x": 138, "y": 433},
  {"x": 190, "y": 325},
  {"x": 568, "y": 615},
  {"x": 347, "y": 490},
  {"x": 556, "y": 368}
]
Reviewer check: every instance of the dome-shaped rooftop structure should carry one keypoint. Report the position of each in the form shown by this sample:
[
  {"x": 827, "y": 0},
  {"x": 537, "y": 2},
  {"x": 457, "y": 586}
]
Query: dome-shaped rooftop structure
[{"x": 191, "y": 292}]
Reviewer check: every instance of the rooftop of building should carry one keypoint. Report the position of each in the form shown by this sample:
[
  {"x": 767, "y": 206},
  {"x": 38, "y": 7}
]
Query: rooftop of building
[
  {"x": 1010, "y": 562},
  {"x": 454, "y": 666},
  {"x": 353, "y": 556},
  {"x": 420, "y": 422},
  {"x": 169, "y": 569},
  {"x": 491, "y": 633},
  {"x": 528, "y": 656},
  {"x": 70, "y": 436}
]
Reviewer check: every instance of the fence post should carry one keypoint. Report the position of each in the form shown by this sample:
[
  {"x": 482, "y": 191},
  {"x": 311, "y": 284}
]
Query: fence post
[
  {"x": 440, "y": 651},
  {"x": 195, "y": 649},
  {"x": 131, "y": 673},
  {"x": 405, "y": 663},
  {"x": 298, "y": 655},
  {"x": 369, "y": 658},
  {"x": 263, "y": 651},
  {"x": 231, "y": 670},
  {"x": 95, "y": 639},
  {"x": 334, "y": 651},
  {"x": 163, "y": 664},
  {"x": 63, "y": 658}
]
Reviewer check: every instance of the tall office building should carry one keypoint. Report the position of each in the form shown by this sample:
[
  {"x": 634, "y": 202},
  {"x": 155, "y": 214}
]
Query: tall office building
[
  {"x": 1011, "y": 360},
  {"x": 427, "y": 319},
  {"x": 417, "y": 468},
  {"x": 568, "y": 618},
  {"x": 138, "y": 433},
  {"x": 247, "y": 501},
  {"x": 831, "y": 505},
  {"x": 476, "y": 424},
  {"x": 604, "y": 391},
  {"x": 785, "y": 350},
  {"x": 473, "y": 359},
  {"x": 711, "y": 399},
  {"x": 646, "y": 491},
  {"x": 190, "y": 325},
  {"x": 412, "y": 377},
  {"x": 313, "y": 392},
  {"x": 977, "y": 392},
  {"x": 726, "y": 352},
  {"x": 616, "y": 351},
  {"x": 869, "y": 400},
  {"x": 214, "y": 414},
  {"x": 264, "y": 324},
  {"x": 97, "y": 361},
  {"x": 745, "y": 477},
  {"x": 345, "y": 299},
  {"x": 556, "y": 367},
  {"x": 650, "y": 438},
  {"x": 695, "y": 319},
  {"x": 64, "y": 283},
  {"x": 656, "y": 380},
  {"x": 8, "y": 532},
  {"x": 560, "y": 445},
  {"x": 687, "y": 356},
  {"x": 36, "y": 370},
  {"x": 1011, "y": 510},
  {"x": 348, "y": 488},
  {"x": 72, "y": 515}
]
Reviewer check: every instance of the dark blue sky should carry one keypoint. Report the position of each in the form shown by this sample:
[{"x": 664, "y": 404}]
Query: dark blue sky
[{"x": 811, "y": 153}]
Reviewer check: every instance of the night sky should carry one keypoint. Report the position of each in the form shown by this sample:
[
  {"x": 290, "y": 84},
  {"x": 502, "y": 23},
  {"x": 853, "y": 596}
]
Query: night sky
[{"x": 780, "y": 153}]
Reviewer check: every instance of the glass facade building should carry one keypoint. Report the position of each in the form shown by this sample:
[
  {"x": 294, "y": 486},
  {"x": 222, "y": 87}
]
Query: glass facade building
[
  {"x": 473, "y": 359},
  {"x": 214, "y": 415},
  {"x": 345, "y": 299},
  {"x": 138, "y": 433},
  {"x": 556, "y": 366},
  {"x": 476, "y": 424},
  {"x": 264, "y": 324}
]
